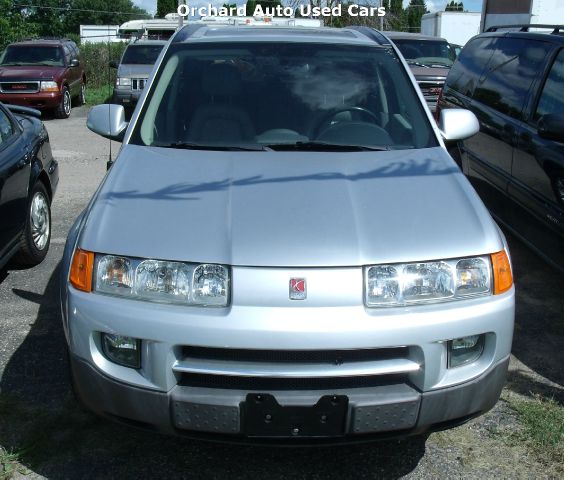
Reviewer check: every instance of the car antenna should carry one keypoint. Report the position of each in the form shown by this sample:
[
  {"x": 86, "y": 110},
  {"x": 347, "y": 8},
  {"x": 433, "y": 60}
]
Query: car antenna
[{"x": 109, "y": 163}]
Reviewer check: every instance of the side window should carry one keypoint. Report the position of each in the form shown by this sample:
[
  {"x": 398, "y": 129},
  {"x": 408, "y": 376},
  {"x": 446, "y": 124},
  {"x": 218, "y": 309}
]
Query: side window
[
  {"x": 6, "y": 128},
  {"x": 552, "y": 97},
  {"x": 67, "y": 54},
  {"x": 513, "y": 68},
  {"x": 467, "y": 70}
]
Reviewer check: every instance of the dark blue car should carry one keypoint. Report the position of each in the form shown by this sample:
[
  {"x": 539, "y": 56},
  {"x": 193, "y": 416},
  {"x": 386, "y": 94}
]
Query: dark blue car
[{"x": 28, "y": 179}]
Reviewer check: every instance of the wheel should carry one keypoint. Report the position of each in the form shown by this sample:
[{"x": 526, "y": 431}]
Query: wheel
[
  {"x": 82, "y": 94},
  {"x": 36, "y": 237},
  {"x": 64, "y": 108}
]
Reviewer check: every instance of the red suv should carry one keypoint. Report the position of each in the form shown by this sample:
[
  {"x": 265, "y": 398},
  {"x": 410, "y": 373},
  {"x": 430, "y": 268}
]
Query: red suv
[{"x": 43, "y": 74}]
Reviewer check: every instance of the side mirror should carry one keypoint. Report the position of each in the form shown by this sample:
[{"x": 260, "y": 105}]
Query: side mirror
[
  {"x": 113, "y": 64},
  {"x": 74, "y": 62},
  {"x": 458, "y": 124},
  {"x": 107, "y": 120},
  {"x": 551, "y": 127}
]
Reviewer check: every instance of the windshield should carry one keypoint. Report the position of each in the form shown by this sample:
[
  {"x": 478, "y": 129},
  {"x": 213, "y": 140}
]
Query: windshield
[
  {"x": 35, "y": 55},
  {"x": 282, "y": 96},
  {"x": 428, "y": 53},
  {"x": 141, "y": 54}
]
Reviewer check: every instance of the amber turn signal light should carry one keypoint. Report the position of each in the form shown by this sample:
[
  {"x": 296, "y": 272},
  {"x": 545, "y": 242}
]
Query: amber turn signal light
[
  {"x": 81, "y": 270},
  {"x": 503, "y": 278}
]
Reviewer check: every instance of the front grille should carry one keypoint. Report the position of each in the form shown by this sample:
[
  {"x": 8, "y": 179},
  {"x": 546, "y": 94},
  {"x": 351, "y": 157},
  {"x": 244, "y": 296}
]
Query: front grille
[
  {"x": 138, "y": 83},
  {"x": 332, "y": 357},
  {"x": 19, "y": 87},
  {"x": 431, "y": 89},
  {"x": 264, "y": 384}
]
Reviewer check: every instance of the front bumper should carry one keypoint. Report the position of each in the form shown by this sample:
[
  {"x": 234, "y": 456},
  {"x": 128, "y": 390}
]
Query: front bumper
[
  {"x": 127, "y": 98},
  {"x": 39, "y": 100},
  {"x": 382, "y": 411}
]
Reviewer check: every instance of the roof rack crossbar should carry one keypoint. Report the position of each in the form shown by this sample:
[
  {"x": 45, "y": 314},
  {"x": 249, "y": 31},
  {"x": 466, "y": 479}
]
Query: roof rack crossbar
[{"x": 524, "y": 27}]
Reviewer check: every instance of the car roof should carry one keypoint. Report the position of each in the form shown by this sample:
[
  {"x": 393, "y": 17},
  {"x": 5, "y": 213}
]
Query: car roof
[
  {"x": 412, "y": 36},
  {"x": 147, "y": 42},
  {"x": 279, "y": 33},
  {"x": 37, "y": 42},
  {"x": 542, "y": 36}
]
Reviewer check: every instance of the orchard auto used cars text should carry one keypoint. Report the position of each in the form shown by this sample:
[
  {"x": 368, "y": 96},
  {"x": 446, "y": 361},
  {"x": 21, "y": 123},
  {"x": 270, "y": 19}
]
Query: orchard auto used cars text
[{"x": 353, "y": 10}]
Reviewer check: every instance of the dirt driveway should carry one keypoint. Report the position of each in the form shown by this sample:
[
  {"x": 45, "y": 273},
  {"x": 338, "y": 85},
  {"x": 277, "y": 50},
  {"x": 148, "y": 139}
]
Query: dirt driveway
[{"x": 43, "y": 433}]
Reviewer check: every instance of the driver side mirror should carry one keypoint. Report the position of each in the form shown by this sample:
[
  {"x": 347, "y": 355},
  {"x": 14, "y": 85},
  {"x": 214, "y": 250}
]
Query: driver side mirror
[
  {"x": 458, "y": 124},
  {"x": 74, "y": 62},
  {"x": 551, "y": 127},
  {"x": 108, "y": 120}
]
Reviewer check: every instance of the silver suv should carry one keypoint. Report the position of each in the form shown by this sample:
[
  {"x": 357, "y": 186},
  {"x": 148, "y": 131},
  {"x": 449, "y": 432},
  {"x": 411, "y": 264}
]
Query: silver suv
[{"x": 284, "y": 250}]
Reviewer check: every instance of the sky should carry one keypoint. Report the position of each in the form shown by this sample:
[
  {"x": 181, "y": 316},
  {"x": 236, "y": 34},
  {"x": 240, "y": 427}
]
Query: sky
[{"x": 432, "y": 5}]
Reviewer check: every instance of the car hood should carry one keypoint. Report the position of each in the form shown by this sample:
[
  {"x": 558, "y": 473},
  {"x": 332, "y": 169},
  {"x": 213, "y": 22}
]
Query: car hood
[
  {"x": 141, "y": 71},
  {"x": 29, "y": 73},
  {"x": 288, "y": 208}
]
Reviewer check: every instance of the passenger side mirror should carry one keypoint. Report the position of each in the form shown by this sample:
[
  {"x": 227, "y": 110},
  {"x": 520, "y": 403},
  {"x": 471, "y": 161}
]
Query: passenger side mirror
[
  {"x": 551, "y": 127},
  {"x": 107, "y": 120},
  {"x": 74, "y": 62},
  {"x": 458, "y": 124},
  {"x": 113, "y": 64}
]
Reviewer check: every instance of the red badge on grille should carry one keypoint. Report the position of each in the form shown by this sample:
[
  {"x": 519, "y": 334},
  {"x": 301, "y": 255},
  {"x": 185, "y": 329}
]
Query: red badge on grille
[{"x": 298, "y": 289}]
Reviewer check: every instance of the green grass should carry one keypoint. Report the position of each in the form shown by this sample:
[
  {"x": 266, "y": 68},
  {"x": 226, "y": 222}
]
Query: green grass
[
  {"x": 97, "y": 95},
  {"x": 543, "y": 427}
]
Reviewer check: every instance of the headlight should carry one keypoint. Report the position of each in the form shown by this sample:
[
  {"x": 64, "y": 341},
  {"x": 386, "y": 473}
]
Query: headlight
[
  {"x": 162, "y": 281},
  {"x": 122, "y": 82},
  {"x": 49, "y": 86},
  {"x": 427, "y": 282}
]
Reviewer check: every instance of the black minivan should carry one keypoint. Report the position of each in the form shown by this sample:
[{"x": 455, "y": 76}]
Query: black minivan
[{"x": 513, "y": 80}]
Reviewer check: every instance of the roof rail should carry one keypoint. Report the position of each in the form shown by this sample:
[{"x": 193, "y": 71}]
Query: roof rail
[
  {"x": 524, "y": 27},
  {"x": 29, "y": 39},
  {"x": 371, "y": 33},
  {"x": 23, "y": 110}
]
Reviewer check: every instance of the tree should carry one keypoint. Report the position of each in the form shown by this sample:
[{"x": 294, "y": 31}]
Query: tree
[
  {"x": 13, "y": 25},
  {"x": 455, "y": 7},
  {"x": 415, "y": 10},
  {"x": 166, "y": 6}
]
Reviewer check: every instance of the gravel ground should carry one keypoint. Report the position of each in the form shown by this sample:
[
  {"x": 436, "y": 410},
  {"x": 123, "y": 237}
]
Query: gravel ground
[{"x": 54, "y": 438}]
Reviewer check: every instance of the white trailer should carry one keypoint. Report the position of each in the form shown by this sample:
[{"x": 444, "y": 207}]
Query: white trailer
[
  {"x": 506, "y": 12},
  {"x": 98, "y": 33},
  {"x": 455, "y": 27}
]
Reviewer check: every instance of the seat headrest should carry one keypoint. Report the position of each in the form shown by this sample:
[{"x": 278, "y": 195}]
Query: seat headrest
[{"x": 221, "y": 79}]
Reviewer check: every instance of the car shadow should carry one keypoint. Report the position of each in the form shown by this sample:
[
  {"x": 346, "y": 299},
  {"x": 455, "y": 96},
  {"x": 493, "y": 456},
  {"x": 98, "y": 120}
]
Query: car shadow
[
  {"x": 51, "y": 435},
  {"x": 539, "y": 325}
]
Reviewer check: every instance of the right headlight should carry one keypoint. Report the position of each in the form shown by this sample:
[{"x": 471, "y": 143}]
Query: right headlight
[
  {"x": 427, "y": 282},
  {"x": 162, "y": 281}
]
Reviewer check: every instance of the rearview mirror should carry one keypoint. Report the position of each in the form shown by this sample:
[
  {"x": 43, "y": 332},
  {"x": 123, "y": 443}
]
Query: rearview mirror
[
  {"x": 107, "y": 120},
  {"x": 551, "y": 127},
  {"x": 458, "y": 124},
  {"x": 113, "y": 64}
]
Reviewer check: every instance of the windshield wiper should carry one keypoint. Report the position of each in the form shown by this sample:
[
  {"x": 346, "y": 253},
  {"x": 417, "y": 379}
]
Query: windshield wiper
[
  {"x": 417, "y": 64},
  {"x": 325, "y": 147},
  {"x": 199, "y": 146}
]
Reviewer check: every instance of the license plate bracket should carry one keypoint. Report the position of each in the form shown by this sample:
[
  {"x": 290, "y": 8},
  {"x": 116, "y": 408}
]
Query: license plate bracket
[{"x": 263, "y": 416}]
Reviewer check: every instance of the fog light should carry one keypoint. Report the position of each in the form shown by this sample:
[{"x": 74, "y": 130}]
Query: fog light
[
  {"x": 465, "y": 350},
  {"x": 122, "y": 350}
]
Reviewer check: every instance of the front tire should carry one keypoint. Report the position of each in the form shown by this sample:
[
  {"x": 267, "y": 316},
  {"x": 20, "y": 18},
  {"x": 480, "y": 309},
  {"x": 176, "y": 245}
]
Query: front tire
[
  {"x": 36, "y": 237},
  {"x": 64, "y": 108}
]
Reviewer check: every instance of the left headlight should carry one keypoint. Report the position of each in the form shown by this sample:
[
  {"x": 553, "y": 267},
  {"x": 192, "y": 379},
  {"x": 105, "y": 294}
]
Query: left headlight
[
  {"x": 162, "y": 281},
  {"x": 427, "y": 282},
  {"x": 48, "y": 86}
]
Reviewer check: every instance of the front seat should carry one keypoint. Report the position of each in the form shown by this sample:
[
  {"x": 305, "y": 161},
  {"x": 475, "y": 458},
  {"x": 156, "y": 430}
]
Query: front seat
[{"x": 220, "y": 121}]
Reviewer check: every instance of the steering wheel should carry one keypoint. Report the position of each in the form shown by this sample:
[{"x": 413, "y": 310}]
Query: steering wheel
[{"x": 361, "y": 110}]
